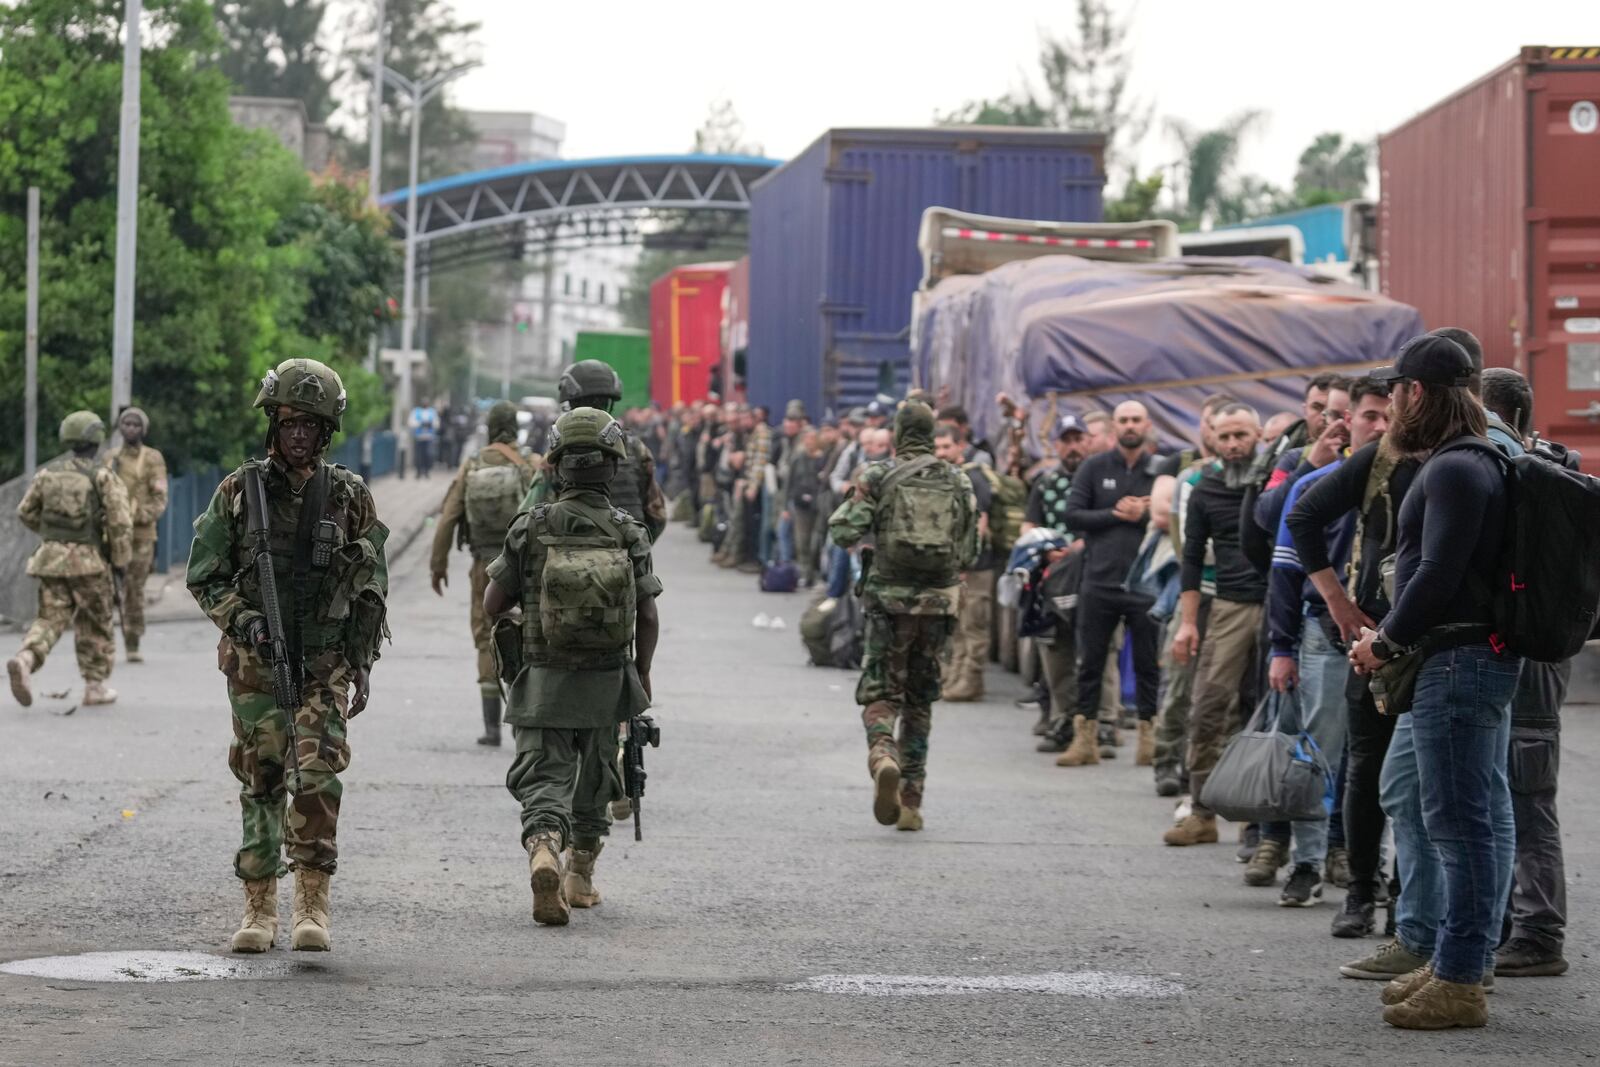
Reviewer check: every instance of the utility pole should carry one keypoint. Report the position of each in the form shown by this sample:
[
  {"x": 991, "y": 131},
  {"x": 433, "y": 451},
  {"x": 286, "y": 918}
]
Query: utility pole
[
  {"x": 418, "y": 94},
  {"x": 375, "y": 109},
  {"x": 127, "y": 219},
  {"x": 30, "y": 404}
]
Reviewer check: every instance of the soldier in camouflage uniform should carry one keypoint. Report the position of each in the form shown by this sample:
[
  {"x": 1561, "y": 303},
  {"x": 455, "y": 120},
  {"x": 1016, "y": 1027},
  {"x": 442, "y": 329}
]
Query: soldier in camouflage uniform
[
  {"x": 578, "y": 658},
  {"x": 592, "y": 383},
  {"x": 921, "y": 513},
  {"x": 144, "y": 471},
  {"x": 80, "y": 511},
  {"x": 478, "y": 509},
  {"x": 332, "y": 581}
]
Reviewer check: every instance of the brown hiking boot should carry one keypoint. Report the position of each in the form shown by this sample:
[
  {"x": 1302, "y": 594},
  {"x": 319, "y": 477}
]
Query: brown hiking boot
[
  {"x": 1194, "y": 829},
  {"x": 578, "y": 884},
  {"x": 886, "y": 791},
  {"x": 20, "y": 667},
  {"x": 544, "y": 874},
  {"x": 910, "y": 819},
  {"x": 1399, "y": 990},
  {"x": 1263, "y": 867},
  {"x": 1082, "y": 751},
  {"x": 259, "y": 928},
  {"x": 1144, "y": 754},
  {"x": 96, "y": 693},
  {"x": 309, "y": 919},
  {"x": 1439, "y": 1005}
]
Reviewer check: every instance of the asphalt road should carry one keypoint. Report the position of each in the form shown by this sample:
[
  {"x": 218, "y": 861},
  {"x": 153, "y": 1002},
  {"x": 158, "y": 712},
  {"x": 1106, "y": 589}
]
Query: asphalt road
[{"x": 1036, "y": 920}]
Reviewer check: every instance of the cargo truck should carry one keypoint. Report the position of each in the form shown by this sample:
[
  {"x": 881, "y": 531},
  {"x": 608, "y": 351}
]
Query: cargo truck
[{"x": 628, "y": 352}]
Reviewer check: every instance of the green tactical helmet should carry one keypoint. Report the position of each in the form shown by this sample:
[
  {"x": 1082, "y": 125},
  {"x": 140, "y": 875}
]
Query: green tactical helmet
[
  {"x": 585, "y": 445},
  {"x": 304, "y": 385},
  {"x": 83, "y": 428},
  {"x": 588, "y": 377},
  {"x": 503, "y": 421}
]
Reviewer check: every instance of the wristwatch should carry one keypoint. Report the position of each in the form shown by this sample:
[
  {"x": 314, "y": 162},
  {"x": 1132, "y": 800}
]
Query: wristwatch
[{"x": 1381, "y": 647}]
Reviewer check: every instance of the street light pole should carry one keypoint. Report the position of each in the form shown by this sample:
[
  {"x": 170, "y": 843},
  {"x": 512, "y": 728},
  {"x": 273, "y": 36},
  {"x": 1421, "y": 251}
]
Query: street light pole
[
  {"x": 30, "y": 343},
  {"x": 375, "y": 119},
  {"x": 127, "y": 219}
]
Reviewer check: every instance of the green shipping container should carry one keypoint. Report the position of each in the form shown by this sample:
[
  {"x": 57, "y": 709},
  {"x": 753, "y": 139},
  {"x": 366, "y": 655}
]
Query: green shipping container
[{"x": 628, "y": 352}]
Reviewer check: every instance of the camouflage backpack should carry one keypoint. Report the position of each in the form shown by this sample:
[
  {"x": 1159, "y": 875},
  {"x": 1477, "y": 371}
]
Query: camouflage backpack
[
  {"x": 924, "y": 523},
  {"x": 493, "y": 496},
  {"x": 1009, "y": 509},
  {"x": 71, "y": 505},
  {"x": 587, "y": 598}
]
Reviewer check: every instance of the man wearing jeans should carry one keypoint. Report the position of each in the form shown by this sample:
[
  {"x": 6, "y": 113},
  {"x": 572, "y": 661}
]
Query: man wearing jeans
[{"x": 1451, "y": 528}]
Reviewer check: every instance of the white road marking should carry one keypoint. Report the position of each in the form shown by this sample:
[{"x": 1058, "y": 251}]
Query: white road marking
[
  {"x": 1099, "y": 985},
  {"x": 148, "y": 967}
]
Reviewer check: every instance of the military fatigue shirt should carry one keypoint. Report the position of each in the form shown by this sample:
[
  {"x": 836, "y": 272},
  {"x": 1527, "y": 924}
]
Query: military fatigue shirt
[
  {"x": 144, "y": 471},
  {"x": 554, "y": 697},
  {"x": 856, "y": 519},
  {"x": 453, "y": 515},
  {"x": 222, "y": 581},
  {"x": 63, "y": 559}
]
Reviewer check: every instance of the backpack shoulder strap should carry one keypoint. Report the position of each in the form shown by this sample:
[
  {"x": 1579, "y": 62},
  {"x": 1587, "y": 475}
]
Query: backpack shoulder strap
[{"x": 904, "y": 471}]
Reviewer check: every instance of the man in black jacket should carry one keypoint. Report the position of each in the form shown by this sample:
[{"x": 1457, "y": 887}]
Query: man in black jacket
[
  {"x": 1108, "y": 508},
  {"x": 1212, "y": 522}
]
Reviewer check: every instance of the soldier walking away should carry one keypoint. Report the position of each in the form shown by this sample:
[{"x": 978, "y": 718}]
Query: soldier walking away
[
  {"x": 483, "y": 499},
  {"x": 591, "y": 383},
  {"x": 288, "y": 561},
  {"x": 922, "y": 517},
  {"x": 143, "y": 471},
  {"x": 577, "y": 659},
  {"x": 80, "y": 511}
]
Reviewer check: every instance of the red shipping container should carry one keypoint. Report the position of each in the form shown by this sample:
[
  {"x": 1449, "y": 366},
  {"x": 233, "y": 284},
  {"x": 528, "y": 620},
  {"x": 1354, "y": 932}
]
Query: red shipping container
[
  {"x": 685, "y": 332},
  {"x": 1489, "y": 219}
]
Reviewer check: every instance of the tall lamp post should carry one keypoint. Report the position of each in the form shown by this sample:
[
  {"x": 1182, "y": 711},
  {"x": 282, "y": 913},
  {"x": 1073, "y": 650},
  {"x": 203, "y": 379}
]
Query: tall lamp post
[
  {"x": 417, "y": 93},
  {"x": 127, "y": 219}
]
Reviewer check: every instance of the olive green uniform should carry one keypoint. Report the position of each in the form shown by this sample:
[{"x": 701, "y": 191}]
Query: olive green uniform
[
  {"x": 143, "y": 471},
  {"x": 564, "y": 707}
]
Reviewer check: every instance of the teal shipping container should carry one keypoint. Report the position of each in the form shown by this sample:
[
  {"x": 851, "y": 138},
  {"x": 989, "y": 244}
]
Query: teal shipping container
[{"x": 628, "y": 352}]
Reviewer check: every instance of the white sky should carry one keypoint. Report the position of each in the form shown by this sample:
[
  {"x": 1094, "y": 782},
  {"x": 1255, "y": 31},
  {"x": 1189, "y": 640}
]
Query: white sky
[{"x": 629, "y": 76}]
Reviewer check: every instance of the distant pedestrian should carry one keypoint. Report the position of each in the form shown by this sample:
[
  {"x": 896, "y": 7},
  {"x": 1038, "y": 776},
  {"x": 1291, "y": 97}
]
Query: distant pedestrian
[
  {"x": 425, "y": 435},
  {"x": 143, "y": 471}
]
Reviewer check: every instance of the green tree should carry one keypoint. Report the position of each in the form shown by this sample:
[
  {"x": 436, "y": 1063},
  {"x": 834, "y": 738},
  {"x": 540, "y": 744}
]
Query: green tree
[
  {"x": 1332, "y": 169},
  {"x": 227, "y": 259},
  {"x": 274, "y": 48},
  {"x": 1210, "y": 159},
  {"x": 1138, "y": 199}
]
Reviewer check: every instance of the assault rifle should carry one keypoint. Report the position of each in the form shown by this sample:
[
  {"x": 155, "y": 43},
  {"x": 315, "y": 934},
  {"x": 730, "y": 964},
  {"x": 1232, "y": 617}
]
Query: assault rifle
[
  {"x": 285, "y": 680},
  {"x": 642, "y": 730}
]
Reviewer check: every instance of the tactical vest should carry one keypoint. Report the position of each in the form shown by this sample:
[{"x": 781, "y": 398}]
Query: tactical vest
[
  {"x": 493, "y": 494},
  {"x": 578, "y": 592},
  {"x": 625, "y": 486},
  {"x": 71, "y": 506},
  {"x": 307, "y": 597}
]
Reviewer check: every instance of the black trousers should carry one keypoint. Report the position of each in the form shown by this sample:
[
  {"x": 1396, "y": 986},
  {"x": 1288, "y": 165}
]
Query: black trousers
[
  {"x": 1367, "y": 743},
  {"x": 1099, "y": 611}
]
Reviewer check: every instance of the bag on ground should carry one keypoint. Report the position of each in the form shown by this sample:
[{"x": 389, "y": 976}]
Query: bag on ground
[
  {"x": 1265, "y": 775},
  {"x": 832, "y": 630},
  {"x": 781, "y": 577}
]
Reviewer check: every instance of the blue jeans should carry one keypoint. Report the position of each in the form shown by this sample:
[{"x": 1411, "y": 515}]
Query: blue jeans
[
  {"x": 841, "y": 572},
  {"x": 786, "y": 539},
  {"x": 1444, "y": 787},
  {"x": 1325, "y": 715}
]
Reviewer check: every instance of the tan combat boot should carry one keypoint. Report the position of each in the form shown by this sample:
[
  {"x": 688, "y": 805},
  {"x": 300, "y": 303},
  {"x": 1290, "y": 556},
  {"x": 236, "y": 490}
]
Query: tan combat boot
[
  {"x": 886, "y": 791},
  {"x": 1194, "y": 829},
  {"x": 20, "y": 667},
  {"x": 544, "y": 874},
  {"x": 1440, "y": 1005},
  {"x": 578, "y": 884},
  {"x": 1399, "y": 990},
  {"x": 98, "y": 693},
  {"x": 1083, "y": 750},
  {"x": 1264, "y": 864},
  {"x": 1145, "y": 754},
  {"x": 309, "y": 919},
  {"x": 259, "y": 928},
  {"x": 910, "y": 819}
]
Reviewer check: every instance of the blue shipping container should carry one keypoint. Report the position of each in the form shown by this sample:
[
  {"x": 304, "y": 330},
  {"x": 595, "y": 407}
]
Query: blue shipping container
[
  {"x": 833, "y": 244},
  {"x": 1324, "y": 228}
]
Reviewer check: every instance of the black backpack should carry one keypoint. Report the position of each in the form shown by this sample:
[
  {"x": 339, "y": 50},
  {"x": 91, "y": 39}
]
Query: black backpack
[{"x": 1545, "y": 593}]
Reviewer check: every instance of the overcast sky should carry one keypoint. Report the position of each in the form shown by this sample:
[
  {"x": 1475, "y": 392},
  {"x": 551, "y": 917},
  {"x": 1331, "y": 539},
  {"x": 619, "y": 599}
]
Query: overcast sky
[{"x": 629, "y": 76}]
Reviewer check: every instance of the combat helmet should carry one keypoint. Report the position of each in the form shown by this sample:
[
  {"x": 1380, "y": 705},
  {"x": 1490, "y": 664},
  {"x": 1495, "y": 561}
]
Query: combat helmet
[
  {"x": 585, "y": 445},
  {"x": 588, "y": 378},
  {"x": 83, "y": 428},
  {"x": 304, "y": 385}
]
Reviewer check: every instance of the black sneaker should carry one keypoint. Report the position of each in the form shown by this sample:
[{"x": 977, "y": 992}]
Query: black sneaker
[
  {"x": 1304, "y": 887},
  {"x": 1356, "y": 919},
  {"x": 1521, "y": 958},
  {"x": 1169, "y": 783}
]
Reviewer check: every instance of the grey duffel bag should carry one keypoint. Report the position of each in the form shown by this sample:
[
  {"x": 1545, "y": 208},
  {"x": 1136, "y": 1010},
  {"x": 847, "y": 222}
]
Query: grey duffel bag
[{"x": 1266, "y": 775}]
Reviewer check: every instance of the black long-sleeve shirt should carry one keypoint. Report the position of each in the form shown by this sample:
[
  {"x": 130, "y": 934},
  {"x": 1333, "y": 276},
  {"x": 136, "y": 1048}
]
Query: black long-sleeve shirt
[
  {"x": 1451, "y": 525},
  {"x": 1110, "y": 544},
  {"x": 1336, "y": 495},
  {"x": 1213, "y": 517}
]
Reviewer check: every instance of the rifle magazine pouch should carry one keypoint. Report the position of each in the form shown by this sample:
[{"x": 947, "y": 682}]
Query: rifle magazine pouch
[
  {"x": 505, "y": 639},
  {"x": 1397, "y": 678}
]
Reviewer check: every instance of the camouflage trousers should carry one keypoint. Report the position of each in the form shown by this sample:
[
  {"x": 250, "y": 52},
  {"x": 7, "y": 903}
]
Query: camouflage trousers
[
  {"x": 85, "y": 604},
  {"x": 488, "y": 679},
  {"x": 900, "y": 682},
  {"x": 133, "y": 583},
  {"x": 303, "y": 827},
  {"x": 564, "y": 779}
]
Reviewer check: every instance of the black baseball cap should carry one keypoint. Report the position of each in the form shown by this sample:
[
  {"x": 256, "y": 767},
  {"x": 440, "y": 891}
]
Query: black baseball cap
[
  {"x": 1069, "y": 424},
  {"x": 1430, "y": 359}
]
